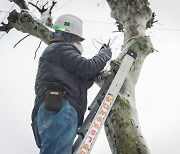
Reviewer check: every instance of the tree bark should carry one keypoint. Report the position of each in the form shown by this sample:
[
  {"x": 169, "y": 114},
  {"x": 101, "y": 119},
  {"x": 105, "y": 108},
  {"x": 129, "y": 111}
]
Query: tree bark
[
  {"x": 25, "y": 22},
  {"x": 122, "y": 125}
]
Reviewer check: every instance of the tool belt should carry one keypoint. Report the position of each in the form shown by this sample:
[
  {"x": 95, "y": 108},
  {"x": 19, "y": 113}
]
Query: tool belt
[{"x": 54, "y": 100}]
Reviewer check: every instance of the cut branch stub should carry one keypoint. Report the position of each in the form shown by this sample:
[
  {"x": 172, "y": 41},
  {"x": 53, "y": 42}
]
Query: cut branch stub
[
  {"x": 5, "y": 27},
  {"x": 120, "y": 26},
  {"x": 151, "y": 21},
  {"x": 13, "y": 17}
]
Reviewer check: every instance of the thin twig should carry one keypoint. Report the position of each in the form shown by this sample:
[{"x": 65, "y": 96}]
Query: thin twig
[
  {"x": 53, "y": 4},
  {"x": 4, "y": 11},
  {"x": 21, "y": 40},
  {"x": 43, "y": 9},
  {"x": 36, "y": 7},
  {"x": 2, "y": 35},
  {"x": 37, "y": 49}
]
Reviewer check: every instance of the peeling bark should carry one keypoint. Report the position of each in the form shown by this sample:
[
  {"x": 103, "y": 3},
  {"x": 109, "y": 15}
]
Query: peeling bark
[{"x": 122, "y": 125}]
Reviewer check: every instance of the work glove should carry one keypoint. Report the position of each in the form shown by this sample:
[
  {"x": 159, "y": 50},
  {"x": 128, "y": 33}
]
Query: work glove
[
  {"x": 107, "y": 52},
  {"x": 104, "y": 46}
]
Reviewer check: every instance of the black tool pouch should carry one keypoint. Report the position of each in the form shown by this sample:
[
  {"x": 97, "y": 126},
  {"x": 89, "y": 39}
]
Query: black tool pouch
[{"x": 54, "y": 100}]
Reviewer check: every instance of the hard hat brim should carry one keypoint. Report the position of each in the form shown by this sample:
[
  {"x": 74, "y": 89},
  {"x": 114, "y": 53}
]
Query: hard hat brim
[{"x": 82, "y": 39}]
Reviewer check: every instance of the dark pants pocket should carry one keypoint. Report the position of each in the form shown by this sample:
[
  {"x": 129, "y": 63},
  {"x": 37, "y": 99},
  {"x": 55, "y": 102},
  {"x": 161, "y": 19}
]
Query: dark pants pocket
[{"x": 54, "y": 100}]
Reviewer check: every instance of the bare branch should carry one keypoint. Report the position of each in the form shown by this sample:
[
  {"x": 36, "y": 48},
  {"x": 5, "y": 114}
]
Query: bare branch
[
  {"x": 37, "y": 49},
  {"x": 21, "y": 40},
  {"x": 5, "y": 27},
  {"x": 53, "y": 4},
  {"x": 46, "y": 16},
  {"x": 21, "y": 3},
  {"x": 41, "y": 10},
  {"x": 26, "y": 23}
]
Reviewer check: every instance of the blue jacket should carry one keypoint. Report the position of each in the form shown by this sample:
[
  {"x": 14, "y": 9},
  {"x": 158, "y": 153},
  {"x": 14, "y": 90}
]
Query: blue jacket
[{"x": 62, "y": 65}]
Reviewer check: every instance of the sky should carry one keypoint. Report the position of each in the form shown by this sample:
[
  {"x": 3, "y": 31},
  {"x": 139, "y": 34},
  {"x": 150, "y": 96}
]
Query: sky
[{"x": 157, "y": 90}]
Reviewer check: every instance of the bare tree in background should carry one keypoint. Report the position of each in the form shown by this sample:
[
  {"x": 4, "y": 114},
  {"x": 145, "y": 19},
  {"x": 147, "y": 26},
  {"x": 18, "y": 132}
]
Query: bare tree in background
[{"x": 133, "y": 17}]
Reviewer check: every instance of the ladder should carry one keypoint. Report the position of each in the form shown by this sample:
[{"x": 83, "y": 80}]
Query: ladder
[{"x": 101, "y": 106}]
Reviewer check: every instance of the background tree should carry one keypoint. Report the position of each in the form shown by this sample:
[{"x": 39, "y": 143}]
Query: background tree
[{"x": 133, "y": 17}]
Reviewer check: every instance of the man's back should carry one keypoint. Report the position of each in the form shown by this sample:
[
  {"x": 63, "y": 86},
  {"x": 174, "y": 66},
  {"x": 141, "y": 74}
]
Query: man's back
[{"x": 61, "y": 66}]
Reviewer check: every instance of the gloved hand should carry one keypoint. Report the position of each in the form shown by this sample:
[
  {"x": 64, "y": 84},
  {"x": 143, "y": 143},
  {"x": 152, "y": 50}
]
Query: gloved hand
[
  {"x": 106, "y": 52},
  {"x": 104, "y": 46}
]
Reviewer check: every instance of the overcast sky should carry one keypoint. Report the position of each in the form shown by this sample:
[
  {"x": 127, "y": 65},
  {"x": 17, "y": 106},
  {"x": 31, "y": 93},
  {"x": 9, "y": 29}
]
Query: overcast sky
[{"x": 157, "y": 90}]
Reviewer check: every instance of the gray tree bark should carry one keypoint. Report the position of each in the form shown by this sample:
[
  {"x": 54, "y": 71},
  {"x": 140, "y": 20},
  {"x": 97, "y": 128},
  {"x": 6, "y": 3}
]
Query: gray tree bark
[
  {"x": 25, "y": 22},
  {"x": 122, "y": 125}
]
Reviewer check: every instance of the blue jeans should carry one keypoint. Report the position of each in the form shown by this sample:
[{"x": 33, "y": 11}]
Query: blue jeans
[{"x": 55, "y": 131}]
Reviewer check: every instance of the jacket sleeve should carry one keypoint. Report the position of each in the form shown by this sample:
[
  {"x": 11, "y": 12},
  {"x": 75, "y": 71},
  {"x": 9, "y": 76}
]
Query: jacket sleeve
[{"x": 86, "y": 68}]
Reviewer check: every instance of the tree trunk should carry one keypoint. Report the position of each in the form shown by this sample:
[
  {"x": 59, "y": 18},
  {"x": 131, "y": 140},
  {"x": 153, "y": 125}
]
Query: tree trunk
[{"x": 122, "y": 126}]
